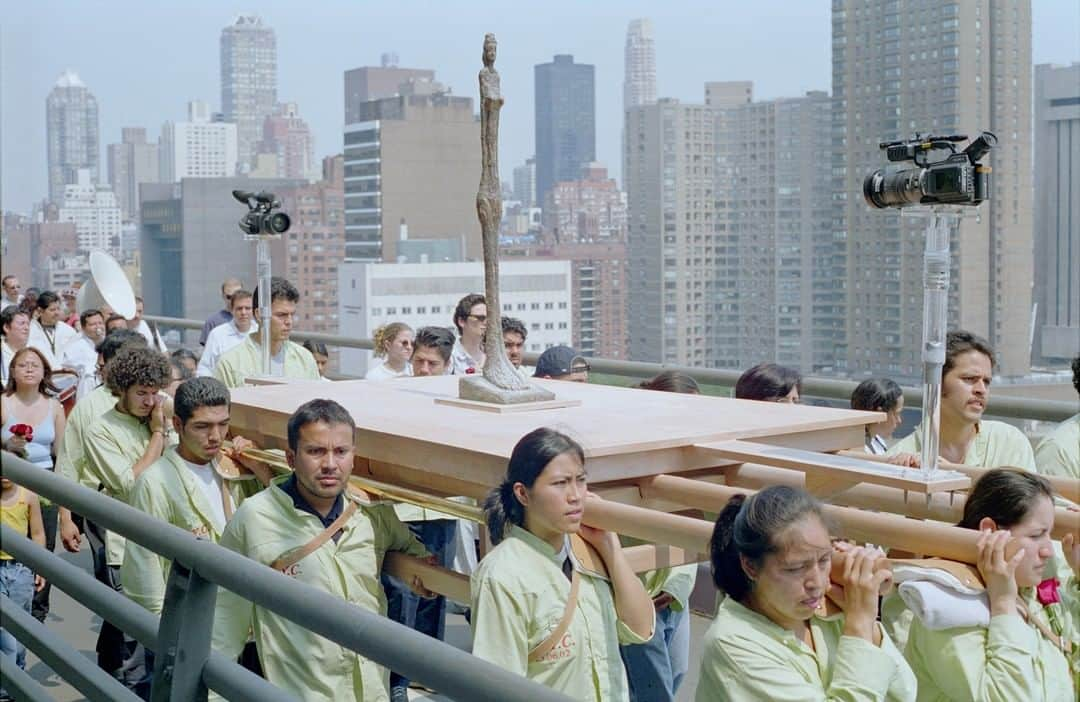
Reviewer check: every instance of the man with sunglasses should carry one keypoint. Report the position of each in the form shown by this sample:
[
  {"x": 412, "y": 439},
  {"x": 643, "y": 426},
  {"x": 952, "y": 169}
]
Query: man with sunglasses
[{"x": 470, "y": 318}]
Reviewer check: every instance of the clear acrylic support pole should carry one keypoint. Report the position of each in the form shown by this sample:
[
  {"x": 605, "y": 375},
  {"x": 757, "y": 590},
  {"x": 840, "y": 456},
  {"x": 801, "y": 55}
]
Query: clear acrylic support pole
[
  {"x": 935, "y": 319},
  {"x": 262, "y": 266}
]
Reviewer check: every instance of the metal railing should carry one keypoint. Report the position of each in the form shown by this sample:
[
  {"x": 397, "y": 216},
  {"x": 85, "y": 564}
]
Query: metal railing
[
  {"x": 185, "y": 665},
  {"x": 826, "y": 388}
]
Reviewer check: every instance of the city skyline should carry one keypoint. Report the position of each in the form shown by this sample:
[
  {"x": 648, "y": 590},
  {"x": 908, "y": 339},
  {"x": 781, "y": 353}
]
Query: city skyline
[{"x": 310, "y": 72}]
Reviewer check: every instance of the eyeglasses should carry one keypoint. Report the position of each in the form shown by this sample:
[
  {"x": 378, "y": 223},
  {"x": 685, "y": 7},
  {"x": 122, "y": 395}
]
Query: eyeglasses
[{"x": 479, "y": 317}]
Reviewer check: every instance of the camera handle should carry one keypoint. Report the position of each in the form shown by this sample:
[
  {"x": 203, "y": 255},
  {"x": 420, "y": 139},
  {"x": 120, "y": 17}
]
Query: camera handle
[{"x": 936, "y": 262}]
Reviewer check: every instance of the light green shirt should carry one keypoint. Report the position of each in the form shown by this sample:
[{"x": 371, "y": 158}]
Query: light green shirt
[
  {"x": 114, "y": 444},
  {"x": 168, "y": 491},
  {"x": 71, "y": 455},
  {"x": 748, "y": 657},
  {"x": 677, "y": 582},
  {"x": 1059, "y": 452},
  {"x": 293, "y": 658},
  {"x": 245, "y": 360},
  {"x": 519, "y": 594},
  {"x": 996, "y": 445}
]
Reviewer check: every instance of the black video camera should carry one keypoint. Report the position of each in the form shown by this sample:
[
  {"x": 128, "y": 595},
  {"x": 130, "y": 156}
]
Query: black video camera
[
  {"x": 261, "y": 220},
  {"x": 957, "y": 179}
]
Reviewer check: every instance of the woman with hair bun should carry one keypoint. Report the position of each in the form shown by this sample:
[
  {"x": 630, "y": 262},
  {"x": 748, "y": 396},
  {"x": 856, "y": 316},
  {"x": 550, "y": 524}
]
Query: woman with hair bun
[
  {"x": 536, "y": 610},
  {"x": 393, "y": 343},
  {"x": 771, "y": 639}
]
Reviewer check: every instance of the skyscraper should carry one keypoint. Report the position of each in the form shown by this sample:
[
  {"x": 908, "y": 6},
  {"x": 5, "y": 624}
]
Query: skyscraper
[
  {"x": 369, "y": 83},
  {"x": 938, "y": 67},
  {"x": 287, "y": 137},
  {"x": 71, "y": 114},
  {"x": 1057, "y": 215},
  {"x": 565, "y": 121},
  {"x": 672, "y": 240},
  {"x": 131, "y": 162},
  {"x": 93, "y": 210},
  {"x": 197, "y": 148},
  {"x": 639, "y": 79},
  {"x": 248, "y": 80}
]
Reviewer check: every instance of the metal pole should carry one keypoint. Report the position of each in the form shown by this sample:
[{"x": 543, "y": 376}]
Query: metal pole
[
  {"x": 935, "y": 321},
  {"x": 262, "y": 265}
]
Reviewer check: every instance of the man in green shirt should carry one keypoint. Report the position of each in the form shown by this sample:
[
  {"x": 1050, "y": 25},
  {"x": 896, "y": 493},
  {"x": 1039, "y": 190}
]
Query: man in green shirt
[
  {"x": 120, "y": 445},
  {"x": 283, "y": 527},
  {"x": 1059, "y": 452},
  {"x": 287, "y": 359},
  {"x": 966, "y": 438}
]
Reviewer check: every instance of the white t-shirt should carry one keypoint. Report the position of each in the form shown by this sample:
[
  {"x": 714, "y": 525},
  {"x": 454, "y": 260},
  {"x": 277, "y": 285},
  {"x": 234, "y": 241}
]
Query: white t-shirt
[
  {"x": 210, "y": 483},
  {"x": 222, "y": 338},
  {"x": 385, "y": 372}
]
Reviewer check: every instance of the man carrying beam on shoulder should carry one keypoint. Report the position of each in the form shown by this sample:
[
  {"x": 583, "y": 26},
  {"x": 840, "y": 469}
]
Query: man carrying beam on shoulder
[{"x": 305, "y": 526}]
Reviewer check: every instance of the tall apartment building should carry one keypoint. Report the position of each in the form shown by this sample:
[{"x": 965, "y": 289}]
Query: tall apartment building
[
  {"x": 412, "y": 167},
  {"x": 287, "y": 137},
  {"x": 422, "y": 294},
  {"x": 131, "y": 162},
  {"x": 525, "y": 183},
  {"x": 248, "y": 80},
  {"x": 589, "y": 208},
  {"x": 93, "y": 210},
  {"x": 934, "y": 67},
  {"x": 197, "y": 148},
  {"x": 565, "y": 120},
  {"x": 639, "y": 64},
  {"x": 309, "y": 253},
  {"x": 369, "y": 83},
  {"x": 776, "y": 285},
  {"x": 72, "y": 133},
  {"x": 1057, "y": 213},
  {"x": 670, "y": 155}
]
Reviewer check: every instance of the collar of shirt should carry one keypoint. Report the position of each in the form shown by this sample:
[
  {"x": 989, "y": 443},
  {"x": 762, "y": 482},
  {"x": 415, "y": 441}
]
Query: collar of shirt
[
  {"x": 289, "y": 487},
  {"x": 541, "y": 546}
]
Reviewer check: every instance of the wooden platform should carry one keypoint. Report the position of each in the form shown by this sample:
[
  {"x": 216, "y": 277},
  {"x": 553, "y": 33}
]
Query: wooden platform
[{"x": 627, "y": 433}]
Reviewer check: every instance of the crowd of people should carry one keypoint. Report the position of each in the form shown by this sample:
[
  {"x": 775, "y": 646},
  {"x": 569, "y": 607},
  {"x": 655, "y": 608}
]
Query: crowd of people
[{"x": 799, "y": 614}]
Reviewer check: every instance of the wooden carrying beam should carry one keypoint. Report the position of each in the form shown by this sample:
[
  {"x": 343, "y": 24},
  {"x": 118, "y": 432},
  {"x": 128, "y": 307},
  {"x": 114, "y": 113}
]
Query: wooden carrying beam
[{"x": 439, "y": 580}]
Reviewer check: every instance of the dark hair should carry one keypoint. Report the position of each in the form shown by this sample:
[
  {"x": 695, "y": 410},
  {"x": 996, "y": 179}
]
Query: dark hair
[
  {"x": 118, "y": 339},
  {"x": 464, "y": 308},
  {"x": 513, "y": 325},
  {"x": 45, "y": 299},
  {"x": 315, "y": 347},
  {"x": 199, "y": 392},
  {"x": 750, "y": 527},
  {"x": 767, "y": 381},
  {"x": 114, "y": 317},
  {"x": 29, "y": 300},
  {"x": 9, "y": 314},
  {"x": 280, "y": 289},
  {"x": 244, "y": 295},
  {"x": 184, "y": 354},
  {"x": 136, "y": 365},
  {"x": 1076, "y": 372},
  {"x": 87, "y": 315},
  {"x": 6, "y": 279},
  {"x": 439, "y": 338},
  {"x": 672, "y": 381},
  {"x": 876, "y": 395},
  {"x": 312, "y": 411},
  {"x": 45, "y": 387},
  {"x": 178, "y": 364},
  {"x": 530, "y": 456},
  {"x": 960, "y": 342},
  {"x": 1005, "y": 495}
]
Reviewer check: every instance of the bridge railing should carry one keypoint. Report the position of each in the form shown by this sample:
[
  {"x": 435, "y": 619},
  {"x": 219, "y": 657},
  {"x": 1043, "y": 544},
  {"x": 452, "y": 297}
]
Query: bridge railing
[
  {"x": 185, "y": 665},
  {"x": 825, "y": 388}
]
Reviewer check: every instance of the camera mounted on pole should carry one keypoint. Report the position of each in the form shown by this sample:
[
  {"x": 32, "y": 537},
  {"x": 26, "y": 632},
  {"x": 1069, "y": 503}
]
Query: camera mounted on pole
[
  {"x": 956, "y": 179},
  {"x": 261, "y": 219}
]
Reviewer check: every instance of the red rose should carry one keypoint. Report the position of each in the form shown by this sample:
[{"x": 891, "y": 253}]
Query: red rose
[
  {"x": 23, "y": 430},
  {"x": 470, "y": 371},
  {"x": 1046, "y": 592}
]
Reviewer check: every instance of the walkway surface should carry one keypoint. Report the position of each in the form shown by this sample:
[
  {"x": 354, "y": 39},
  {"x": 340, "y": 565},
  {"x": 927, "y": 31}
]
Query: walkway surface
[{"x": 79, "y": 627}]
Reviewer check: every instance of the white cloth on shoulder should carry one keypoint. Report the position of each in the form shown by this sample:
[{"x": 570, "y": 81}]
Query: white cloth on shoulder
[{"x": 939, "y": 600}]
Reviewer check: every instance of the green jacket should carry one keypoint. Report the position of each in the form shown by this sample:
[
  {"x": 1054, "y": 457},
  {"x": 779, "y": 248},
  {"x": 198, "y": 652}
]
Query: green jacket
[{"x": 245, "y": 360}]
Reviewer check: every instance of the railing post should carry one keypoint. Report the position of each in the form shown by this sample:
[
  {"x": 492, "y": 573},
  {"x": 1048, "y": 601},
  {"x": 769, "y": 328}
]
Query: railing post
[{"x": 187, "y": 623}]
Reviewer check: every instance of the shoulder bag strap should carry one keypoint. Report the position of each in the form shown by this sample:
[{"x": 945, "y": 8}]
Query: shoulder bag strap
[
  {"x": 294, "y": 556},
  {"x": 556, "y": 635}
]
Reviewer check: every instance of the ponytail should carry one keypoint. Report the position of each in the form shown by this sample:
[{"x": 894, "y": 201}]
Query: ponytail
[
  {"x": 727, "y": 570},
  {"x": 502, "y": 509}
]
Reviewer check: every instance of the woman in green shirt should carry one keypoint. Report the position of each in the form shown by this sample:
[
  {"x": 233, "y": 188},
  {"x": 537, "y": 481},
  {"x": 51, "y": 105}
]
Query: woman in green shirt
[
  {"x": 535, "y": 609},
  {"x": 772, "y": 638},
  {"x": 1015, "y": 656}
]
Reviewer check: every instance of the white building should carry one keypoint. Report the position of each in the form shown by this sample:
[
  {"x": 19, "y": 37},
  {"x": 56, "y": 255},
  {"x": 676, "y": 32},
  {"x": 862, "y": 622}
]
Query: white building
[
  {"x": 95, "y": 212},
  {"x": 198, "y": 148},
  {"x": 425, "y": 294},
  {"x": 64, "y": 271}
]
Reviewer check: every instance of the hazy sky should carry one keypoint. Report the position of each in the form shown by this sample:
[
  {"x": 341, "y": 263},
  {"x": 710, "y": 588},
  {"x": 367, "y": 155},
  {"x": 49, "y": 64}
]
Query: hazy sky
[{"x": 144, "y": 60}]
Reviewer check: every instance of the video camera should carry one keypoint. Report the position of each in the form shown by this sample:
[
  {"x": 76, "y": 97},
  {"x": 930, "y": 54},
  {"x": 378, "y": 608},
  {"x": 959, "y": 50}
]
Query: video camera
[
  {"x": 261, "y": 220},
  {"x": 957, "y": 179}
]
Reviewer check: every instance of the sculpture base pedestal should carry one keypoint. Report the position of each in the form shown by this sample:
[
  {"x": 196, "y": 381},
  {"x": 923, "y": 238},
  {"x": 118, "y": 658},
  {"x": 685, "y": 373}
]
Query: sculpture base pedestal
[{"x": 477, "y": 388}]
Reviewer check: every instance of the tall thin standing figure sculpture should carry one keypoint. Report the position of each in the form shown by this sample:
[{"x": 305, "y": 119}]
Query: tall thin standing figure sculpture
[{"x": 500, "y": 383}]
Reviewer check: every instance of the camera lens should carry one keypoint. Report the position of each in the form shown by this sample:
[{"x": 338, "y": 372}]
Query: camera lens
[{"x": 278, "y": 223}]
